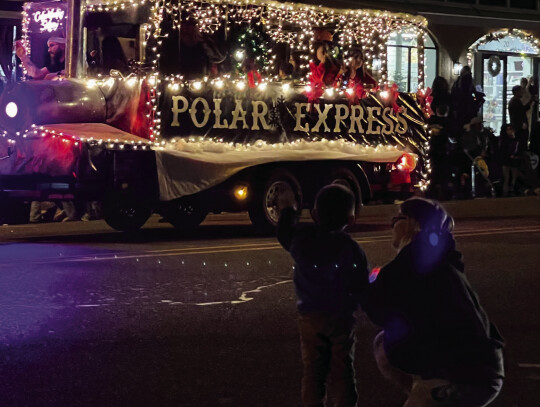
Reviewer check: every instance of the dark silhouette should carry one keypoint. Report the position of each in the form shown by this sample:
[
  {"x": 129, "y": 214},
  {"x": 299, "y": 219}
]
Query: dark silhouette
[
  {"x": 437, "y": 342},
  {"x": 113, "y": 56},
  {"x": 440, "y": 92},
  {"x": 330, "y": 276},
  {"x": 466, "y": 100}
]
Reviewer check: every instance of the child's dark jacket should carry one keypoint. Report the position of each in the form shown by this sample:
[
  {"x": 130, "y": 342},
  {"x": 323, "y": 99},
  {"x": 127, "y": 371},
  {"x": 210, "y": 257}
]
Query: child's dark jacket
[{"x": 331, "y": 270}]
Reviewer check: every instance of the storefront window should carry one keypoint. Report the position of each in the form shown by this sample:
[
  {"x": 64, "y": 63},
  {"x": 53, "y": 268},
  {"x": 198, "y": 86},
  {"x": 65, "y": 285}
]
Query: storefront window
[{"x": 402, "y": 63}]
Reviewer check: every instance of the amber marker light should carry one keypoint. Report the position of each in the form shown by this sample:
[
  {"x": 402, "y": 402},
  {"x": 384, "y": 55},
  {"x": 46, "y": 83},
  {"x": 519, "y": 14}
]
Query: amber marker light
[{"x": 240, "y": 192}]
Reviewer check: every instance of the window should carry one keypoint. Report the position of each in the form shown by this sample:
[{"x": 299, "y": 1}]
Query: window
[
  {"x": 113, "y": 42},
  {"x": 403, "y": 57},
  {"x": 500, "y": 3},
  {"x": 525, "y": 4}
]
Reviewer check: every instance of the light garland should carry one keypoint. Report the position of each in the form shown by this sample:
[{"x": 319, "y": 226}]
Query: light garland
[{"x": 513, "y": 33}]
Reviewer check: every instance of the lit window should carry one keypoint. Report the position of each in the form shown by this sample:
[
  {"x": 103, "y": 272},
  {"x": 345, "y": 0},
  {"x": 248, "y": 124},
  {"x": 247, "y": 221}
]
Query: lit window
[{"x": 402, "y": 60}]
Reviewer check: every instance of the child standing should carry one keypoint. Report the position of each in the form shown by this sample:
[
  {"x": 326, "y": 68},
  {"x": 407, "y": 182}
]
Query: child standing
[{"x": 330, "y": 276}]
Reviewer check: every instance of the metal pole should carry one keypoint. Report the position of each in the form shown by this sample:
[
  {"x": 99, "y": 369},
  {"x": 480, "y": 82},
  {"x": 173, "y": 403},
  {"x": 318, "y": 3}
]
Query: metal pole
[{"x": 74, "y": 46}]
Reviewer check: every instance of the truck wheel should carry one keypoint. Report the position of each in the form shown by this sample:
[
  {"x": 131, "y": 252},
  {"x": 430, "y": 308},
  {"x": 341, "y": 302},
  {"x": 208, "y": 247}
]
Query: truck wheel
[
  {"x": 344, "y": 176},
  {"x": 125, "y": 213},
  {"x": 185, "y": 213},
  {"x": 264, "y": 212}
]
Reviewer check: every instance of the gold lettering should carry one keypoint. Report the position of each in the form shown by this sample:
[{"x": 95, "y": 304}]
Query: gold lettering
[
  {"x": 176, "y": 110},
  {"x": 217, "y": 114},
  {"x": 193, "y": 112},
  {"x": 322, "y": 118},
  {"x": 388, "y": 119},
  {"x": 238, "y": 114},
  {"x": 372, "y": 119},
  {"x": 300, "y": 116},
  {"x": 357, "y": 115},
  {"x": 259, "y": 115},
  {"x": 340, "y": 116}
]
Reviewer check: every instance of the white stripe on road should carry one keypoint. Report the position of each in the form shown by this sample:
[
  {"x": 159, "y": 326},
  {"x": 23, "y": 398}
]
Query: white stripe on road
[
  {"x": 254, "y": 247},
  {"x": 529, "y": 365}
]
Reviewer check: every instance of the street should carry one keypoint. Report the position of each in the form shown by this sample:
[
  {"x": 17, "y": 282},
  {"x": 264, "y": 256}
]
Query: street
[{"x": 94, "y": 317}]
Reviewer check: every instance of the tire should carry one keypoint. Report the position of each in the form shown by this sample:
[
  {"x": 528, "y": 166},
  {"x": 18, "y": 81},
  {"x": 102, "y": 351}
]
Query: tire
[
  {"x": 185, "y": 213},
  {"x": 125, "y": 213},
  {"x": 263, "y": 211},
  {"x": 344, "y": 176}
]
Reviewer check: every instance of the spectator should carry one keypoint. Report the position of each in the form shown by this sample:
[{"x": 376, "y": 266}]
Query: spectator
[
  {"x": 437, "y": 343},
  {"x": 518, "y": 114},
  {"x": 466, "y": 100},
  {"x": 439, "y": 153},
  {"x": 534, "y": 128},
  {"x": 440, "y": 92},
  {"x": 511, "y": 148},
  {"x": 330, "y": 275}
]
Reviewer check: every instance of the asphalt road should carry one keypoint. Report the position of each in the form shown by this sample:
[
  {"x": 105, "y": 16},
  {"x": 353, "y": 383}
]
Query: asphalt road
[{"x": 92, "y": 317}]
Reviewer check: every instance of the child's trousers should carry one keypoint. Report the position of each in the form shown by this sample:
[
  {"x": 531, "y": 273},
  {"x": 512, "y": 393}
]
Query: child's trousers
[{"x": 327, "y": 346}]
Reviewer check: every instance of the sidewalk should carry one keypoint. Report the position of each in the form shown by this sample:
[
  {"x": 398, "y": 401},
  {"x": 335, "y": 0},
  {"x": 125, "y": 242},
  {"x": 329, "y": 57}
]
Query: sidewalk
[{"x": 526, "y": 206}]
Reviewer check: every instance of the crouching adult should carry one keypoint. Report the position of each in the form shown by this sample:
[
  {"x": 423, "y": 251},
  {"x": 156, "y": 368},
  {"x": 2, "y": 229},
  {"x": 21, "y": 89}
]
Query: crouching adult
[{"x": 437, "y": 342}]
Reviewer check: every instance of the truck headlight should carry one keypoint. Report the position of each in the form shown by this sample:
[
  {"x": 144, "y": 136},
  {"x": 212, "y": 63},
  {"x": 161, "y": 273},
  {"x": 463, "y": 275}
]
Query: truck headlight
[{"x": 12, "y": 109}]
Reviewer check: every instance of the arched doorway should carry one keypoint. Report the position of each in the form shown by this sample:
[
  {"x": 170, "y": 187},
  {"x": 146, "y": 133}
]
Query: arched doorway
[{"x": 502, "y": 59}]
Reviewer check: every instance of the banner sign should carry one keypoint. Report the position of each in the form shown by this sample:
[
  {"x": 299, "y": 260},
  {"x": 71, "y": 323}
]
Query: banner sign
[
  {"x": 273, "y": 116},
  {"x": 49, "y": 17}
]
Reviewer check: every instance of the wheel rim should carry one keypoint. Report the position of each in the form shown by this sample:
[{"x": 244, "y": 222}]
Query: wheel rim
[{"x": 270, "y": 201}]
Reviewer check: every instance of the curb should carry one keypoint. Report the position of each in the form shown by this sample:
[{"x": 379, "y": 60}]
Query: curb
[{"x": 527, "y": 206}]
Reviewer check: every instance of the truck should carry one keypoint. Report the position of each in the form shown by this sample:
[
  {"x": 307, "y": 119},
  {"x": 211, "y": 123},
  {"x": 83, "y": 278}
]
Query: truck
[{"x": 184, "y": 108}]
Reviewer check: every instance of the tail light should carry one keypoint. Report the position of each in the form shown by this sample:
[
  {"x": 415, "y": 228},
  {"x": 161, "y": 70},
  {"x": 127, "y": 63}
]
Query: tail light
[
  {"x": 407, "y": 162},
  {"x": 402, "y": 168}
]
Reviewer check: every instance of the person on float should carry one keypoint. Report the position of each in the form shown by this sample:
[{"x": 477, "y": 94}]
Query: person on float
[
  {"x": 437, "y": 342},
  {"x": 56, "y": 47},
  {"x": 354, "y": 77},
  {"x": 354, "y": 72},
  {"x": 324, "y": 68}
]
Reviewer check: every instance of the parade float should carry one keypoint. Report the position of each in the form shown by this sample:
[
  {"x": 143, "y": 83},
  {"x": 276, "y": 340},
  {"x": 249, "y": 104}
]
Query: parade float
[{"x": 182, "y": 108}]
